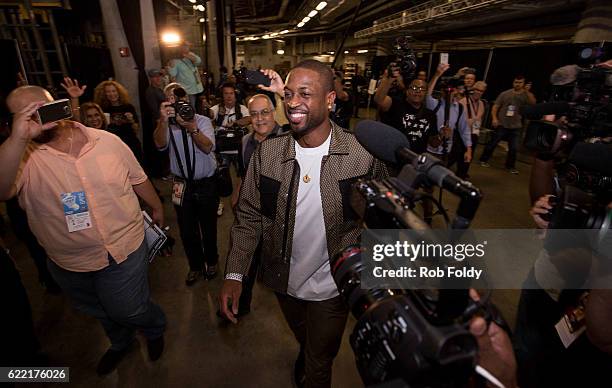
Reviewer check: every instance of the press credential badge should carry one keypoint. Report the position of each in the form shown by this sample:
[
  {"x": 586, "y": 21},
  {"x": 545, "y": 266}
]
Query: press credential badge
[{"x": 76, "y": 211}]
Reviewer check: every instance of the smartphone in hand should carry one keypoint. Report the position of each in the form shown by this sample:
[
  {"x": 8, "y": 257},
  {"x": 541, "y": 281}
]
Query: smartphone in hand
[
  {"x": 255, "y": 77},
  {"x": 55, "y": 111}
]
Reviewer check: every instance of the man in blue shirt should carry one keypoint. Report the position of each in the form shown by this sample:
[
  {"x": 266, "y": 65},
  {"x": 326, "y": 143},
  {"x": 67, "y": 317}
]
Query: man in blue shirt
[
  {"x": 184, "y": 71},
  {"x": 194, "y": 191}
]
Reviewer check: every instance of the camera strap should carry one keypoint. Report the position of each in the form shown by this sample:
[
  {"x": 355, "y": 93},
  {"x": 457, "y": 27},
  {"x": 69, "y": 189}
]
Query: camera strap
[{"x": 189, "y": 159}]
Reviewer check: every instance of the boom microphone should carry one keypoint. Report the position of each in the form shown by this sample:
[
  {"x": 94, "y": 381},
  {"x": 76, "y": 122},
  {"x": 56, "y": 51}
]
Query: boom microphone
[{"x": 535, "y": 112}]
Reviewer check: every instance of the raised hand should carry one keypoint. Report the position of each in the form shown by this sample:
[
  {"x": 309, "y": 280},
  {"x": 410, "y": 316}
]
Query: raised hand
[
  {"x": 277, "y": 86},
  {"x": 25, "y": 122},
  {"x": 72, "y": 87}
]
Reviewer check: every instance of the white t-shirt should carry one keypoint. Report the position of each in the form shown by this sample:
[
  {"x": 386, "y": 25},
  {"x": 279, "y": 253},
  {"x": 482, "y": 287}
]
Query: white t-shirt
[
  {"x": 230, "y": 114},
  {"x": 310, "y": 275}
]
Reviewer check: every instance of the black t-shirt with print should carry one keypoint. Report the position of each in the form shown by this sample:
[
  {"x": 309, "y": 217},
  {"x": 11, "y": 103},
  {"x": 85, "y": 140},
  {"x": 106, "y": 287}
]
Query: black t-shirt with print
[{"x": 417, "y": 124}]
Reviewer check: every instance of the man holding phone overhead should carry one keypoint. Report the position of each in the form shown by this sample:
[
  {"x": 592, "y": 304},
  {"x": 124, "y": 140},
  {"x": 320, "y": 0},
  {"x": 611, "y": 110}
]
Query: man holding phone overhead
[{"x": 79, "y": 188}]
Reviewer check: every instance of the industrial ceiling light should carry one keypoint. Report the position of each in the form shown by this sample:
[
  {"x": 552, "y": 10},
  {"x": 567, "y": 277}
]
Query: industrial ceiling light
[
  {"x": 280, "y": 51},
  {"x": 312, "y": 13},
  {"x": 195, "y": 7},
  {"x": 306, "y": 19},
  {"x": 346, "y": 51},
  {"x": 284, "y": 32},
  {"x": 321, "y": 5},
  {"x": 266, "y": 36},
  {"x": 301, "y": 24},
  {"x": 202, "y": 20},
  {"x": 201, "y": 8},
  {"x": 274, "y": 34},
  {"x": 170, "y": 38},
  {"x": 362, "y": 51},
  {"x": 192, "y": 1}
]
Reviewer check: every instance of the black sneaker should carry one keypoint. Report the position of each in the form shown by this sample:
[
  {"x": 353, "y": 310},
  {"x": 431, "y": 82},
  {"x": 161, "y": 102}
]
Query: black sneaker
[
  {"x": 110, "y": 360},
  {"x": 299, "y": 370},
  {"x": 155, "y": 348},
  {"x": 192, "y": 277}
]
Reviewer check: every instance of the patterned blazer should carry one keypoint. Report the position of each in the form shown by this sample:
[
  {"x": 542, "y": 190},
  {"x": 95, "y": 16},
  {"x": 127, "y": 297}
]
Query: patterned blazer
[{"x": 267, "y": 203}]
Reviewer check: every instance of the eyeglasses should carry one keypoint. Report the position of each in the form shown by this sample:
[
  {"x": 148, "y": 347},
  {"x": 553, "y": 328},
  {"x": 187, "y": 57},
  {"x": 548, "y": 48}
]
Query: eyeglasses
[
  {"x": 417, "y": 88},
  {"x": 263, "y": 113},
  {"x": 478, "y": 90}
]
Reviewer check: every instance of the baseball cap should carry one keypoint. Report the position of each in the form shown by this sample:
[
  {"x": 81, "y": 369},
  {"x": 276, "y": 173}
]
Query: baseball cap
[{"x": 153, "y": 72}]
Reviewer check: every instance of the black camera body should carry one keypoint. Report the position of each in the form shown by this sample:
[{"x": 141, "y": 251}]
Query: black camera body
[
  {"x": 586, "y": 105},
  {"x": 184, "y": 110},
  {"x": 181, "y": 108},
  {"x": 404, "y": 61}
]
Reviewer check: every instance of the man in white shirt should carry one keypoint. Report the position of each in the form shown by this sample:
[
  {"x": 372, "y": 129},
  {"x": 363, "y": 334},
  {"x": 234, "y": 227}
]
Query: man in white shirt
[{"x": 295, "y": 197}]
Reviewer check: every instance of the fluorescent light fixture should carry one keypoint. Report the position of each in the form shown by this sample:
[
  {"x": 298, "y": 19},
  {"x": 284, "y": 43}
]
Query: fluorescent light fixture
[
  {"x": 255, "y": 38},
  {"x": 171, "y": 38},
  {"x": 192, "y": 1},
  {"x": 266, "y": 36},
  {"x": 313, "y": 13},
  {"x": 306, "y": 19},
  {"x": 274, "y": 34},
  {"x": 202, "y": 20},
  {"x": 321, "y": 5},
  {"x": 280, "y": 51},
  {"x": 201, "y": 8},
  {"x": 195, "y": 7},
  {"x": 346, "y": 51},
  {"x": 332, "y": 52},
  {"x": 284, "y": 32},
  {"x": 300, "y": 24},
  {"x": 362, "y": 51}
]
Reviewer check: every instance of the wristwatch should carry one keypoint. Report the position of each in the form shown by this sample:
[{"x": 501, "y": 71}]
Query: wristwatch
[{"x": 194, "y": 132}]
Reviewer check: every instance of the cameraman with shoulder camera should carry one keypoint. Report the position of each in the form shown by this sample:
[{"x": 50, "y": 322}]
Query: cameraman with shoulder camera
[
  {"x": 408, "y": 113},
  {"x": 191, "y": 140},
  {"x": 545, "y": 355}
]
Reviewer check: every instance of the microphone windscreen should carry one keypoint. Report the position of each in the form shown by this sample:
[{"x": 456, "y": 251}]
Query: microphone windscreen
[
  {"x": 593, "y": 156},
  {"x": 380, "y": 139}
]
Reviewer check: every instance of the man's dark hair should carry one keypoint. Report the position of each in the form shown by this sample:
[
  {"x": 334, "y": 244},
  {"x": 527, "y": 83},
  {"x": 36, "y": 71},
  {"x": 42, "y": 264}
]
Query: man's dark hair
[
  {"x": 228, "y": 85},
  {"x": 520, "y": 77},
  {"x": 326, "y": 74}
]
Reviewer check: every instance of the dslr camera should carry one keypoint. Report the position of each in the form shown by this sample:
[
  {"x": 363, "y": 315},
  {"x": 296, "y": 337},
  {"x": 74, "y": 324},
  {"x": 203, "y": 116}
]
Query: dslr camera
[{"x": 181, "y": 108}]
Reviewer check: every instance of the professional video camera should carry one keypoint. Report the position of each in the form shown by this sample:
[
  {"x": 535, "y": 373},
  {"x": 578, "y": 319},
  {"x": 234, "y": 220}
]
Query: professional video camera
[
  {"x": 181, "y": 108},
  {"x": 582, "y": 95},
  {"x": 415, "y": 338},
  {"x": 586, "y": 180},
  {"x": 405, "y": 59}
]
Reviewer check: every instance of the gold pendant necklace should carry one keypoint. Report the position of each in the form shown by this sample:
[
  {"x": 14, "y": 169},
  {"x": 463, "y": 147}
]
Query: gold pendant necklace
[{"x": 306, "y": 178}]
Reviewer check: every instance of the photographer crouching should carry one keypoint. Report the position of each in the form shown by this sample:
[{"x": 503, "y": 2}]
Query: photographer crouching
[{"x": 191, "y": 140}]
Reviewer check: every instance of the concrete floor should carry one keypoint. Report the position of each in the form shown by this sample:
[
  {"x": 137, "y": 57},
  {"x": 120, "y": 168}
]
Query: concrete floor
[{"x": 200, "y": 351}]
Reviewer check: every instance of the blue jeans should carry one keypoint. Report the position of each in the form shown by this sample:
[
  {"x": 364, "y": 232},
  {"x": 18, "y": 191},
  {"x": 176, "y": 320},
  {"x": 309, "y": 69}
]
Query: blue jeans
[
  {"x": 118, "y": 296},
  {"x": 501, "y": 133}
]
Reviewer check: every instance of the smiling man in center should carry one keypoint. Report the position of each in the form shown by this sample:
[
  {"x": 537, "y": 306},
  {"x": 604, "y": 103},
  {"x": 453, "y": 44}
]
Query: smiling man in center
[{"x": 295, "y": 195}]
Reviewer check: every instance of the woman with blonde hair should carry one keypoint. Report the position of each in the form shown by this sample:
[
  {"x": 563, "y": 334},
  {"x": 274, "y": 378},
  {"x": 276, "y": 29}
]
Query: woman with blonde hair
[
  {"x": 92, "y": 116},
  {"x": 114, "y": 99}
]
